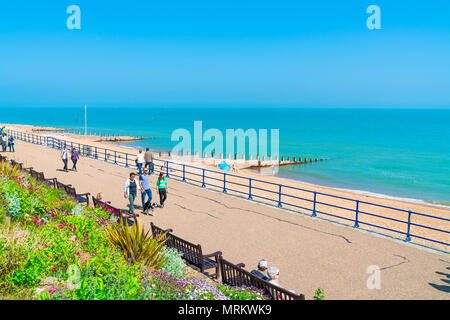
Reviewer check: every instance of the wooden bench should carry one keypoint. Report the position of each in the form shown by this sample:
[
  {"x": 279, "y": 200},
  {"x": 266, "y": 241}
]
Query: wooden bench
[
  {"x": 18, "y": 164},
  {"x": 68, "y": 189},
  {"x": 192, "y": 253},
  {"x": 236, "y": 276},
  {"x": 117, "y": 213},
  {"x": 158, "y": 232},
  {"x": 39, "y": 176}
]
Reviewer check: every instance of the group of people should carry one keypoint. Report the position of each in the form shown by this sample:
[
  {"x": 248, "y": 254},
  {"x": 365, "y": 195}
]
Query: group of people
[
  {"x": 7, "y": 141},
  {"x": 74, "y": 156},
  {"x": 144, "y": 163},
  {"x": 132, "y": 185}
]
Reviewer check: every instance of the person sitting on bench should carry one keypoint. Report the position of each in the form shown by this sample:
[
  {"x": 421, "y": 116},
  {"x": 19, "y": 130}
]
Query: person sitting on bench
[{"x": 262, "y": 267}]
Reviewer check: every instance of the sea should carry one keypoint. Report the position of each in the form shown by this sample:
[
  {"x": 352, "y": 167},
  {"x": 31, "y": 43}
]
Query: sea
[{"x": 397, "y": 153}]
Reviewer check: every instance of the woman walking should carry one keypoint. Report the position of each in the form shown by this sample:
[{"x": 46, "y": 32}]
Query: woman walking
[
  {"x": 75, "y": 156},
  {"x": 131, "y": 186},
  {"x": 161, "y": 184}
]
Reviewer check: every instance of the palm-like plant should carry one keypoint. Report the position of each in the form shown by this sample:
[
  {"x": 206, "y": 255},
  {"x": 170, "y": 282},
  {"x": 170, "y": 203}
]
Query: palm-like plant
[
  {"x": 135, "y": 243},
  {"x": 9, "y": 170}
]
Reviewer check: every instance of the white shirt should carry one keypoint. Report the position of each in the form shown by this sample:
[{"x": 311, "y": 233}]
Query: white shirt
[
  {"x": 140, "y": 158},
  {"x": 64, "y": 154},
  {"x": 5, "y": 138}
]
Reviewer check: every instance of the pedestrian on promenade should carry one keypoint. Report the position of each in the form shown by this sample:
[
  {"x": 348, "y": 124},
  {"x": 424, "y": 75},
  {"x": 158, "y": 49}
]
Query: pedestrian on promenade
[
  {"x": 148, "y": 157},
  {"x": 145, "y": 190},
  {"x": 75, "y": 156},
  {"x": 131, "y": 186},
  {"x": 161, "y": 184},
  {"x": 140, "y": 161},
  {"x": 11, "y": 144},
  {"x": 64, "y": 157},
  {"x": 4, "y": 141}
]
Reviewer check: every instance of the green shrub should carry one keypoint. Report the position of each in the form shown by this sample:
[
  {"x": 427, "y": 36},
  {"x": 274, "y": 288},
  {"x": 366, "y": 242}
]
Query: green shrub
[
  {"x": 175, "y": 264},
  {"x": 319, "y": 294}
]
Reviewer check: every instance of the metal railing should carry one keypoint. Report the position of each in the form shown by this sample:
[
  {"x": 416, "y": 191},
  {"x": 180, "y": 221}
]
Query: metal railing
[{"x": 350, "y": 212}]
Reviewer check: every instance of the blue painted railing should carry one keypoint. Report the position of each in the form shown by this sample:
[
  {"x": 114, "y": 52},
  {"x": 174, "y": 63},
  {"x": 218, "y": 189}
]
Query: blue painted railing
[{"x": 277, "y": 194}]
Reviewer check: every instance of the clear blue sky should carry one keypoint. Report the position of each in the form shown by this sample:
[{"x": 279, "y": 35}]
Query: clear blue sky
[{"x": 225, "y": 53}]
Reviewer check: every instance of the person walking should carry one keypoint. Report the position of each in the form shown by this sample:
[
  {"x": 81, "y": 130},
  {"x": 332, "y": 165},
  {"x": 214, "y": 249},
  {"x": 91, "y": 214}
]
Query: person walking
[
  {"x": 131, "y": 186},
  {"x": 161, "y": 183},
  {"x": 11, "y": 144},
  {"x": 140, "y": 161},
  {"x": 4, "y": 141},
  {"x": 64, "y": 157},
  {"x": 145, "y": 190},
  {"x": 75, "y": 156},
  {"x": 148, "y": 157}
]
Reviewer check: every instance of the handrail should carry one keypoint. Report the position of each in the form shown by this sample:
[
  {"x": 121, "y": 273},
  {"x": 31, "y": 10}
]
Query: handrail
[{"x": 125, "y": 159}]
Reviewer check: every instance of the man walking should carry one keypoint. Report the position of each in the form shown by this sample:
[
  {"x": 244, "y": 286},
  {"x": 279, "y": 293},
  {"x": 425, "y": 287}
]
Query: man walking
[
  {"x": 11, "y": 144},
  {"x": 64, "y": 157},
  {"x": 148, "y": 157},
  {"x": 145, "y": 190}
]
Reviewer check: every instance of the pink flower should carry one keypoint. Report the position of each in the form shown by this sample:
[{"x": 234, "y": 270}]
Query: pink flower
[
  {"x": 54, "y": 269},
  {"x": 45, "y": 245}
]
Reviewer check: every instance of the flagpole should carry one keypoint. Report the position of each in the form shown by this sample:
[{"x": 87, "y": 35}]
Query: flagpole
[{"x": 85, "y": 121}]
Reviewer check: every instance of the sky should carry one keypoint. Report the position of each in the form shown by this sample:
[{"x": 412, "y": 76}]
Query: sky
[{"x": 236, "y": 53}]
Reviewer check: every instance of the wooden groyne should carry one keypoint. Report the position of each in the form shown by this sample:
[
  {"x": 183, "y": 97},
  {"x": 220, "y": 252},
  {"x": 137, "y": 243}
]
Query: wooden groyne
[
  {"x": 241, "y": 161},
  {"x": 95, "y": 136}
]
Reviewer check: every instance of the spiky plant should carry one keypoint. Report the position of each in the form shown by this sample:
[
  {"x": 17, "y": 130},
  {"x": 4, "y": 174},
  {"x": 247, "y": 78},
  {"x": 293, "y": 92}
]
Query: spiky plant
[
  {"x": 7, "y": 169},
  {"x": 136, "y": 244}
]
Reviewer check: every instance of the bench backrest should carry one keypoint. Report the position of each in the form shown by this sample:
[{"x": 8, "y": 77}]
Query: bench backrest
[
  {"x": 235, "y": 276},
  {"x": 158, "y": 232},
  {"x": 60, "y": 186},
  {"x": 106, "y": 207},
  {"x": 191, "y": 252}
]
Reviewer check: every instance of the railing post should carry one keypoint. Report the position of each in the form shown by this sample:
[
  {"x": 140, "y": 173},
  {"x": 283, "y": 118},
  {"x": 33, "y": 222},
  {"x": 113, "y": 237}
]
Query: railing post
[
  {"x": 96, "y": 156},
  {"x": 184, "y": 173},
  {"x": 115, "y": 157},
  {"x": 106, "y": 158},
  {"x": 126, "y": 159},
  {"x": 356, "y": 215},
  {"x": 279, "y": 197},
  {"x": 250, "y": 189},
  {"x": 203, "y": 179},
  {"x": 314, "y": 214},
  {"x": 167, "y": 170},
  {"x": 224, "y": 181},
  {"x": 408, "y": 233}
]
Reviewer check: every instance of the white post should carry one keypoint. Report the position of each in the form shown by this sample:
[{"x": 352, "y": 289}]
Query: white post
[{"x": 85, "y": 121}]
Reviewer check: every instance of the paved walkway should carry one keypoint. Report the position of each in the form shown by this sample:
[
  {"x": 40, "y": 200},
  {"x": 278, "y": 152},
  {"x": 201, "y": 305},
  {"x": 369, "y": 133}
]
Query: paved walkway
[{"x": 310, "y": 253}]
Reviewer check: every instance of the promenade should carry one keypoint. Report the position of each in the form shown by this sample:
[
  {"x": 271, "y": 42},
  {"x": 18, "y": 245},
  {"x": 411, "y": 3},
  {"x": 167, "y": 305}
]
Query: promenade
[{"x": 310, "y": 253}]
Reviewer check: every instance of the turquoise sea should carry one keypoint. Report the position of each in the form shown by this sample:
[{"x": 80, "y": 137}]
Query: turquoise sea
[{"x": 403, "y": 153}]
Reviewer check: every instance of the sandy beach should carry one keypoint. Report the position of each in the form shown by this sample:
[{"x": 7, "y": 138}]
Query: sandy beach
[{"x": 310, "y": 252}]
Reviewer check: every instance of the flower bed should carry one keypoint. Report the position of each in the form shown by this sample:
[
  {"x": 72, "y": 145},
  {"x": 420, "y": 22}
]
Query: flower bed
[{"x": 51, "y": 247}]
